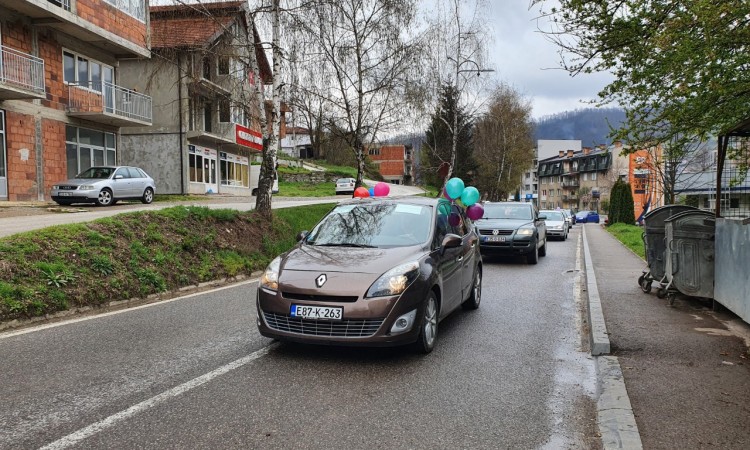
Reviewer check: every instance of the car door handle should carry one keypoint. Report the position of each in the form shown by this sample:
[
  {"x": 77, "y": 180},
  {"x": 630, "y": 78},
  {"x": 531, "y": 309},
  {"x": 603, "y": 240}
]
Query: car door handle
[{"x": 460, "y": 258}]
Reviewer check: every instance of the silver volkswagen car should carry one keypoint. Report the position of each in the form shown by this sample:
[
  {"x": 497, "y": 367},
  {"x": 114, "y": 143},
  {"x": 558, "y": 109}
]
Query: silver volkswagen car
[{"x": 105, "y": 186}]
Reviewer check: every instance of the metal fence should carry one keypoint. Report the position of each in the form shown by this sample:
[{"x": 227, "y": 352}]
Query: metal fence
[
  {"x": 21, "y": 70},
  {"x": 732, "y": 198},
  {"x": 105, "y": 97}
]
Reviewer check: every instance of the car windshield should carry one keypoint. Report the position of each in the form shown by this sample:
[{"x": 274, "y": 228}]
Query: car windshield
[
  {"x": 344, "y": 180},
  {"x": 96, "y": 172},
  {"x": 553, "y": 215},
  {"x": 500, "y": 211},
  {"x": 373, "y": 225}
]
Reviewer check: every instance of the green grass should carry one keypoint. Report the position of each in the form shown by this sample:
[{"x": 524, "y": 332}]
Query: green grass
[
  {"x": 287, "y": 189},
  {"x": 139, "y": 254},
  {"x": 343, "y": 171},
  {"x": 179, "y": 198},
  {"x": 630, "y": 236}
]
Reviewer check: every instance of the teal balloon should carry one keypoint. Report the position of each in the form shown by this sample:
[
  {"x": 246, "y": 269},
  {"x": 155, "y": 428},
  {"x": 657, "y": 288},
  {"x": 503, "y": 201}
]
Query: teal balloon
[
  {"x": 469, "y": 196},
  {"x": 454, "y": 188}
]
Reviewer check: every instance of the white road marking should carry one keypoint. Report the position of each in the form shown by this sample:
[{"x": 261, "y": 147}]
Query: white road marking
[
  {"x": 112, "y": 313},
  {"x": 112, "y": 420}
]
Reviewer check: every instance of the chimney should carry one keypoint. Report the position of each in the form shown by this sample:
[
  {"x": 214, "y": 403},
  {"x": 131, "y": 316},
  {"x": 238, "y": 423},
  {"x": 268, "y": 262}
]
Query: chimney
[
  {"x": 562, "y": 153},
  {"x": 570, "y": 153},
  {"x": 586, "y": 150}
]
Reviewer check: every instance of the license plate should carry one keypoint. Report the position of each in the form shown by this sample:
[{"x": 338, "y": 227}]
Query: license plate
[
  {"x": 317, "y": 312},
  {"x": 495, "y": 238},
  {"x": 66, "y": 194}
]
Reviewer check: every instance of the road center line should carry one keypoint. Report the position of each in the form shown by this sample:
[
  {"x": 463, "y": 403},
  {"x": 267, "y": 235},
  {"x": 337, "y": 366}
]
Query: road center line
[{"x": 112, "y": 420}]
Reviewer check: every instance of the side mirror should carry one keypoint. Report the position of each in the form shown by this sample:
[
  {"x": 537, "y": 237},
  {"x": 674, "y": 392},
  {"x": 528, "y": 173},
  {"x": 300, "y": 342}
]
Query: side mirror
[
  {"x": 118, "y": 177},
  {"x": 302, "y": 234},
  {"x": 450, "y": 241}
]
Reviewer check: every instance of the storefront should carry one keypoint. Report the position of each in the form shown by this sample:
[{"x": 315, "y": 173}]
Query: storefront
[{"x": 202, "y": 172}]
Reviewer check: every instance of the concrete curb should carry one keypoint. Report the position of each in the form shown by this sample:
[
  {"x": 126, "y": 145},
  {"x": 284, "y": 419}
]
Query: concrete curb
[
  {"x": 615, "y": 414},
  {"x": 599, "y": 337}
]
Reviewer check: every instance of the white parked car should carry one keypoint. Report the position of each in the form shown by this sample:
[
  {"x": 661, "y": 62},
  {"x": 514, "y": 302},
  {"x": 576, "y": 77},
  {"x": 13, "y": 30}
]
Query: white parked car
[
  {"x": 345, "y": 186},
  {"x": 105, "y": 186}
]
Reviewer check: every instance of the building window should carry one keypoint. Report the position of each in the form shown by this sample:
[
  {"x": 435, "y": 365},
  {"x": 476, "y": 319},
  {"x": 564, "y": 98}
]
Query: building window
[
  {"x": 528, "y": 187},
  {"x": 374, "y": 151},
  {"x": 593, "y": 176},
  {"x": 224, "y": 111},
  {"x": 208, "y": 116},
  {"x": 86, "y": 72},
  {"x": 224, "y": 65},
  {"x": 234, "y": 170},
  {"x": 585, "y": 177},
  {"x": 133, "y": 8},
  {"x": 85, "y": 148}
]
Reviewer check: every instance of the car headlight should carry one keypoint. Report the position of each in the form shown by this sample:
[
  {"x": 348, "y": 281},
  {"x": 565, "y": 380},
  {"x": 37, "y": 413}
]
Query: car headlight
[
  {"x": 525, "y": 231},
  {"x": 395, "y": 281},
  {"x": 55, "y": 186},
  {"x": 86, "y": 187},
  {"x": 270, "y": 278}
]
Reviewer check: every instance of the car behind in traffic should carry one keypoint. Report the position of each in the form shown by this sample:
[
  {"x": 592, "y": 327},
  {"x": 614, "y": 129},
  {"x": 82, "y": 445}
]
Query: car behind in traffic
[
  {"x": 512, "y": 228},
  {"x": 374, "y": 271},
  {"x": 557, "y": 223},
  {"x": 345, "y": 186},
  {"x": 105, "y": 186}
]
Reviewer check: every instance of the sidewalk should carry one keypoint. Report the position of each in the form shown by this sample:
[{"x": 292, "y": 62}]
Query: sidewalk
[{"x": 684, "y": 367}]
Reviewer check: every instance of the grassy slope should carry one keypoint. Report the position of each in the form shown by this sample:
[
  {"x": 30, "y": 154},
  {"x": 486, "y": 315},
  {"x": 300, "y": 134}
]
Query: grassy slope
[
  {"x": 630, "y": 236},
  {"x": 138, "y": 254}
]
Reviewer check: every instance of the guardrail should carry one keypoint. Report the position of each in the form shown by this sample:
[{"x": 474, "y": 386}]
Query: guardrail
[{"x": 21, "y": 70}]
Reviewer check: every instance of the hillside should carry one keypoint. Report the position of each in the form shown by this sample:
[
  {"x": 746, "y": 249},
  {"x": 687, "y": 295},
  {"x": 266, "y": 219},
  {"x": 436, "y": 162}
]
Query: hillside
[{"x": 591, "y": 125}]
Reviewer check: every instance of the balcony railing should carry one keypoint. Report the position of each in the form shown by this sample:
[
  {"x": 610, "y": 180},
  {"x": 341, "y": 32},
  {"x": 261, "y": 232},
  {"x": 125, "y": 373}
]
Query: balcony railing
[
  {"x": 135, "y": 8},
  {"x": 571, "y": 183},
  {"x": 110, "y": 101},
  {"x": 22, "y": 71},
  {"x": 64, "y": 4}
]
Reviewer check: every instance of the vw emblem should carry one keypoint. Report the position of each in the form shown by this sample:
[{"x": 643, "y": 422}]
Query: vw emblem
[
  {"x": 321, "y": 280},
  {"x": 495, "y": 232}
]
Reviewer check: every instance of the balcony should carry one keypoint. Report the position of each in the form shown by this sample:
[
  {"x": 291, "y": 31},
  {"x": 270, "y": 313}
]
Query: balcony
[
  {"x": 571, "y": 183},
  {"x": 108, "y": 103},
  {"x": 215, "y": 134},
  {"x": 21, "y": 75},
  {"x": 57, "y": 14}
]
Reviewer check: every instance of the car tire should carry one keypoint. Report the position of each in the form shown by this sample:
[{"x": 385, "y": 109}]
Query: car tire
[
  {"x": 105, "y": 198},
  {"x": 476, "y": 292},
  {"x": 148, "y": 196},
  {"x": 254, "y": 192},
  {"x": 428, "y": 326},
  {"x": 533, "y": 257},
  {"x": 543, "y": 250}
]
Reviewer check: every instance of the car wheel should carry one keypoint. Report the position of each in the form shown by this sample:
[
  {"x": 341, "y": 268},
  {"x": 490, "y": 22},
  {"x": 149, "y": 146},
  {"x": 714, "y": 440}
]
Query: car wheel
[
  {"x": 543, "y": 250},
  {"x": 476, "y": 292},
  {"x": 148, "y": 196},
  {"x": 254, "y": 192},
  {"x": 533, "y": 257},
  {"x": 428, "y": 333},
  {"x": 105, "y": 198}
]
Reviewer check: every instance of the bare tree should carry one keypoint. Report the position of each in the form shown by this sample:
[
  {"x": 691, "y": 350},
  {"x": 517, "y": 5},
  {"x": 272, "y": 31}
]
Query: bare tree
[
  {"x": 360, "y": 52},
  {"x": 504, "y": 143}
]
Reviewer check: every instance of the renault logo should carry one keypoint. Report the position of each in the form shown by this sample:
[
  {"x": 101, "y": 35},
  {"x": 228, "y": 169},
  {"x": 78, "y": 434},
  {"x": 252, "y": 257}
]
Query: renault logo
[
  {"x": 495, "y": 232},
  {"x": 321, "y": 280}
]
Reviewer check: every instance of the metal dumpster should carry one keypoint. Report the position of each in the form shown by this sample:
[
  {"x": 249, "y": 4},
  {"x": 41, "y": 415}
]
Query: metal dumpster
[
  {"x": 690, "y": 238},
  {"x": 655, "y": 245}
]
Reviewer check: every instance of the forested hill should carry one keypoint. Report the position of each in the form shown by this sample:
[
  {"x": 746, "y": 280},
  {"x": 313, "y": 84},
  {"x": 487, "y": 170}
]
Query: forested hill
[{"x": 591, "y": 125}]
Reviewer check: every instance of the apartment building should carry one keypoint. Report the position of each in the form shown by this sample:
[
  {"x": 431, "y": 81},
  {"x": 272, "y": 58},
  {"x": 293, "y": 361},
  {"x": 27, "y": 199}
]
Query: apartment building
[
  {"x": 62, "y": 103},
  {"x": 206, "y": 128},
  {"x": 580, "y": 179},
  {"x": 394, "y": 162},
  {"x": 545, "y": 148}
]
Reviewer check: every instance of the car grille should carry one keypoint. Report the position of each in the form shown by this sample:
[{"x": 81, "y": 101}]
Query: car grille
[
  {"x": 321, "y": 298},
  {"x": 489, "y": 232},
  {"x": 68, "y": 188},
  {"x": 311, "y": 327}
]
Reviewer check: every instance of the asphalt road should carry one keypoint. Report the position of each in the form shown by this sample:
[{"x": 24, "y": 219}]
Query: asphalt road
[{"x": 194, "y": 373}]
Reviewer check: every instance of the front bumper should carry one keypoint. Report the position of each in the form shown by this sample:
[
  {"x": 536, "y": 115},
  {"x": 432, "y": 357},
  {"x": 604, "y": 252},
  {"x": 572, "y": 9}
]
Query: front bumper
[
  {"x": 513, "y": 245},
  {"x": 366, "y": 322},
  {"x": 74, "y": 195},
  {"x": 555, "y": 233}
]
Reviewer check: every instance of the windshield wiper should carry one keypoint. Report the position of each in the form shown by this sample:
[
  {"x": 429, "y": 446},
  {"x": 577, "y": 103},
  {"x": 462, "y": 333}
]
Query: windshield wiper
[{"x": 346, "y": 244}]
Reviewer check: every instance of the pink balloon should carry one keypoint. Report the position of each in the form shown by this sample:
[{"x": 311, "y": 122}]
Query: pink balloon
[
  {"x": 475, "y": 212},
  {"x": 454, "y": 220},
  {"x": 382, "y": 189}
]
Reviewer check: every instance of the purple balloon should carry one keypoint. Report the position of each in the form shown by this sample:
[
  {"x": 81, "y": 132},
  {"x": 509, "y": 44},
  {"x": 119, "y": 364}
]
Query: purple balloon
[
  {"x": 454, "y": 220},
  {"x": 475, "y": 212}
]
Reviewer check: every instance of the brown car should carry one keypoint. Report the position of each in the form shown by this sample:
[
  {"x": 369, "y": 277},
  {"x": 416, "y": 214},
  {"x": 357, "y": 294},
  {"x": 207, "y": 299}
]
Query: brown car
[{"x": 374, "y": 271}]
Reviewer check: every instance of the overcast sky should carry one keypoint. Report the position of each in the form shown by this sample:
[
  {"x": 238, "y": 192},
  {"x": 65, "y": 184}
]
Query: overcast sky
[{"x": 526, "y": 60}]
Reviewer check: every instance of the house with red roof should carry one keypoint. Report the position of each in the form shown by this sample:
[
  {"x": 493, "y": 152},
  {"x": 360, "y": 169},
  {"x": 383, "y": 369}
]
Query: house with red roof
[
  {"x": 206, "y": 128},
  {"x": 394, "y": 162}
]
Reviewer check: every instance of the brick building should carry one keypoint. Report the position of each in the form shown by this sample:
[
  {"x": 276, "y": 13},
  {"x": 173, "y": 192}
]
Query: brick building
[
  {"x": 62, "y": 108},
  {"x": 394, "y": 163},
  {"x": 206, "y": 130}
]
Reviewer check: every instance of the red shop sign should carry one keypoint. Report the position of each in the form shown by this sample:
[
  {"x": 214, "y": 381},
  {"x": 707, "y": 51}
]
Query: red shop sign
[{"x": 249, "y": 138}]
